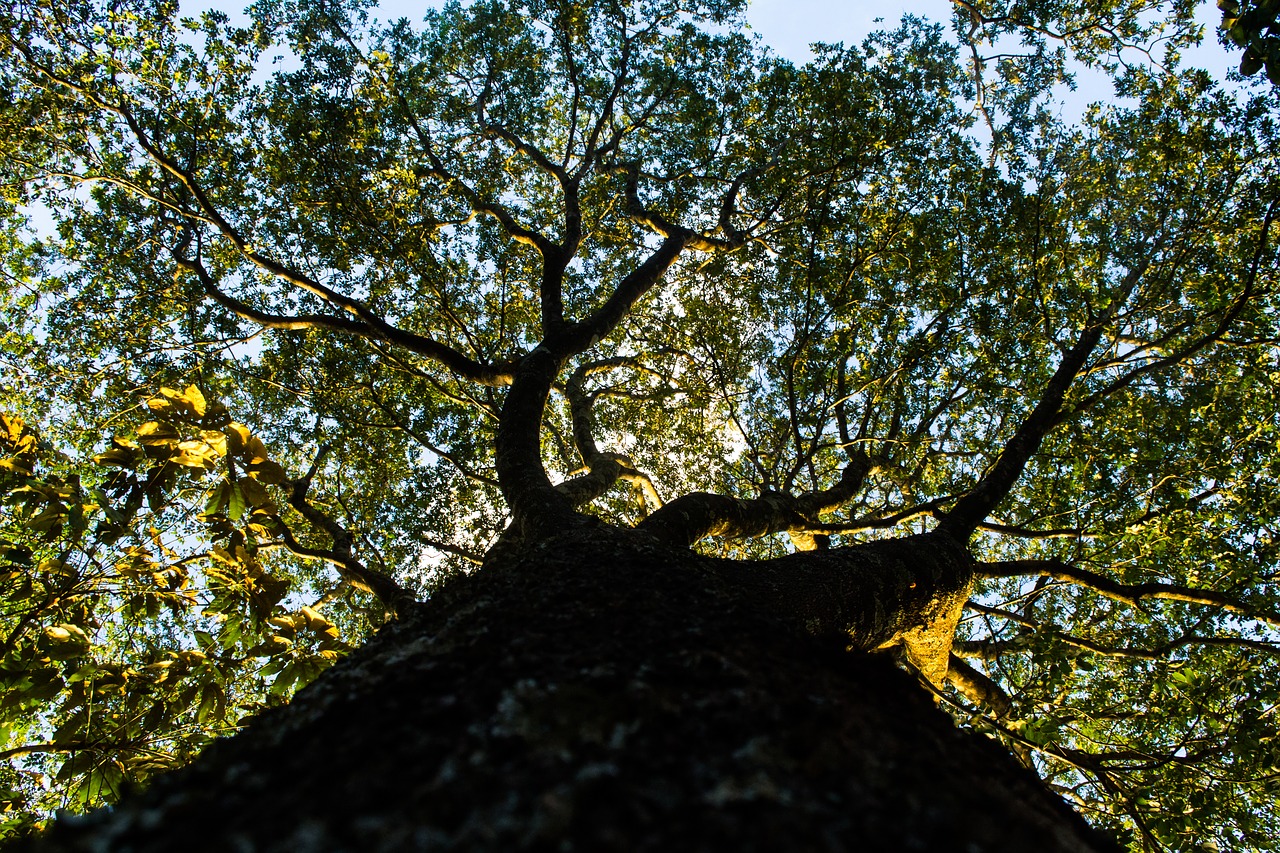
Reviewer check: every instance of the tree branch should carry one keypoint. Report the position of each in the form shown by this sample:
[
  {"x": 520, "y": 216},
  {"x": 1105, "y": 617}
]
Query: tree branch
[
  {"x": 992, "y": 649},
  {"x": 371, "y": 324},
  {"x": 1224, "y": 325},
  {"x": 875, "y": 595},
  {"x": 963, "y": 518},
  {"x": 537, "y": 508},
  {"x": 689, "y": 518},
  {"x": 393, "y": 597},
  {"x": 604, "y": 469},
  {"x": 456, "y": 362},
  {"x": 660, "y": 225},
  {"x": 584, "y": 334},
  {"x": 1130, "y": 594},
  {"x": 977, "y": 687}
]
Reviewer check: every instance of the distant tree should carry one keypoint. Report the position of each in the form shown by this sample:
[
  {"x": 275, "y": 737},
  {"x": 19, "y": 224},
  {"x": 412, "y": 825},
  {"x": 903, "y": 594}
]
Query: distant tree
[{"x": 636, "y": 353}]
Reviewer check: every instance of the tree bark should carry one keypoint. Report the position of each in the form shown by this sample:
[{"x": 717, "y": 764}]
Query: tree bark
[{"x": 605, "y": 691}]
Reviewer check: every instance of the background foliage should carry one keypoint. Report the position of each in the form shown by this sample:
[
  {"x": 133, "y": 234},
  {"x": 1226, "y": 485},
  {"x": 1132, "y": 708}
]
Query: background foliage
[{"x": 230, "y": 284}]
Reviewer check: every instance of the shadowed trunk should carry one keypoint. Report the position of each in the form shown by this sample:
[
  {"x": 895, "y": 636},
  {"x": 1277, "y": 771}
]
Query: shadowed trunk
[{"x": 608, "y": 692}]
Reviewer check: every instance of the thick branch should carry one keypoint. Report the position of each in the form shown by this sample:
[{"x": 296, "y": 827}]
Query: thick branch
[
  {"x": 692, "y": 517},
  {"x": 603, "y": 469},
  {"x": 689, "y": 518},
  {"x": 538, "y": 508},
  {"x": 977, "y": 687},
  {"x": 910, "y": 590},
  {"x": 981, "y": 501},
  {"x": 585, "y": 334}
]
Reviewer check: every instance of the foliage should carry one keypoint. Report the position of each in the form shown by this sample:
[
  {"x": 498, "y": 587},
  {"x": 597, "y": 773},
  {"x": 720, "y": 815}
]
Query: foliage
[
  {"x": 138, "y": 625},
  {"x": 810, "y": 285},
  {"x": 1252, "y": 26}
]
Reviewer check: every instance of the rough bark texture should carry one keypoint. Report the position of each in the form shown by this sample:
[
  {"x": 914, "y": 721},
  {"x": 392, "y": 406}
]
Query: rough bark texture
[{"x": 605, "y": 693}]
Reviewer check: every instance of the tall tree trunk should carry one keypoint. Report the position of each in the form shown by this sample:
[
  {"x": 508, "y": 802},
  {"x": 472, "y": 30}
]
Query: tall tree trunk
[{"x": 603, "y": 692}]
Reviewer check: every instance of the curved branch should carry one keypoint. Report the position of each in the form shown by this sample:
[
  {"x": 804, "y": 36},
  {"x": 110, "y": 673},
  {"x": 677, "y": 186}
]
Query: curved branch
[
  {"x": 686, "y": 520},
  {"x": 1130, "y": 594},
  {"x": 604, "y": 469},
  {"x": 464, "y": 366},
  {"x": 689, "y": 518},
  {"x": 1030, "y": 533},
  {"x": 395, "y": 598},
  {"x": 659, "y": 224},
  {"x": 291, "y": 322},
  {"x": 537, "y": 507}
]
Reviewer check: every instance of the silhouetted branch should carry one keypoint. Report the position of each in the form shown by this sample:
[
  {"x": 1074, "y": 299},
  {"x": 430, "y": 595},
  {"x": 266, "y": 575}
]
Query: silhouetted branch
[
  {"x": 393, "y": 597},
  {"x": 1130, "y": 594},
  {"x": 969, "y": 511}
]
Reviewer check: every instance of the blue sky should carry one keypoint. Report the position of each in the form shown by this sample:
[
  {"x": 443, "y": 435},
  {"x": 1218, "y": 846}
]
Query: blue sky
[{"x": 790, "y": 26}]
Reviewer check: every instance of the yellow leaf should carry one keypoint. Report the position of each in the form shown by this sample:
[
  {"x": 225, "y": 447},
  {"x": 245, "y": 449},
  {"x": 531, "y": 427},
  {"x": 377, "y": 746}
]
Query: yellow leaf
[
  {"x": 196, "y": 399},
  {"x": 215, "y": 440},
  {"x": 66, "y": 634},
  {"x": 255, "y": 494},
  {"x": 13, "y": 425},
  {"x": 313, "y": 617},
  {"x": 269, "y": 472},
  {"x": 54, "y": 567},
  {"x": 238, "y": 436},
  {"x": 256, "y": 449},
  {"x": 16, "y": 467},
  {"x": 156, "y": 433},
  {"x": 189, "y": 460},
  {"x": 119, "y": 457}
]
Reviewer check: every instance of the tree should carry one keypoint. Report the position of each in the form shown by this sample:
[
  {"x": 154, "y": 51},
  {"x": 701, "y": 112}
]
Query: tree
[{"x": 723, "y": 372}]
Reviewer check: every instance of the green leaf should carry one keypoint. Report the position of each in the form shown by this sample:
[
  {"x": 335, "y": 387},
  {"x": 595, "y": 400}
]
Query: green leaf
[
  {"x": 235, "y": 502},
  {"x": 1251, "y": 63},
  {"x": 213, "y": 702}
]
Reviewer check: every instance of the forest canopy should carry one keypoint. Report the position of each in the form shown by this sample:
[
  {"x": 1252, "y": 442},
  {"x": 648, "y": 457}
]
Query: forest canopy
[{"x": 283, "y": 303}]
